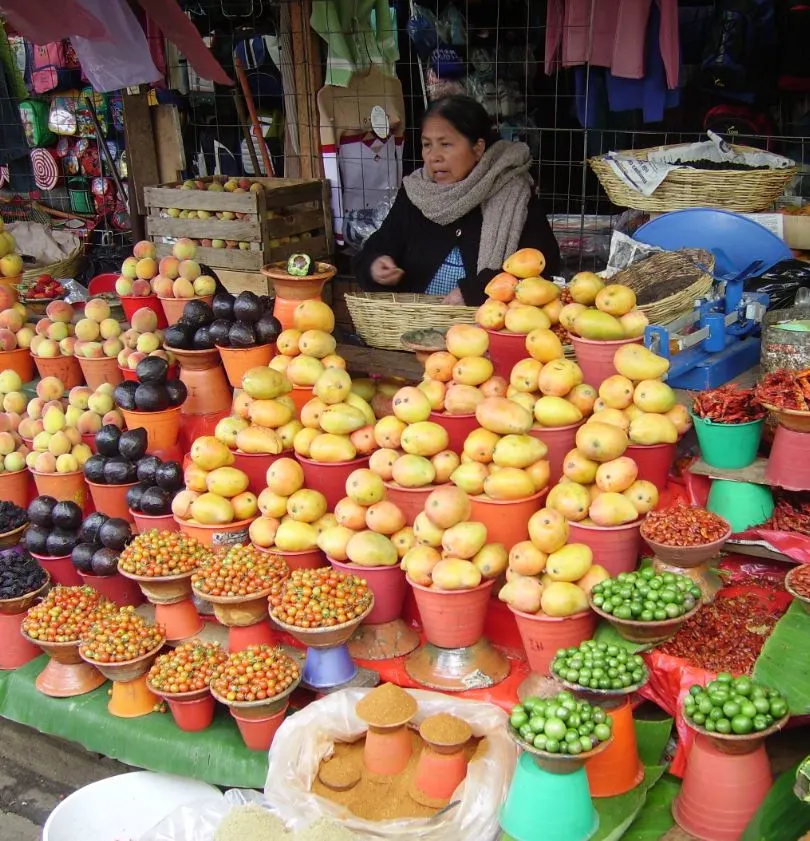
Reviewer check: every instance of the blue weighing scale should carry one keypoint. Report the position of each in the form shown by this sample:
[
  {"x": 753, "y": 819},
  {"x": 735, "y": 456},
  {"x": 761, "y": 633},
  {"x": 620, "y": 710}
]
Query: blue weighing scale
[{"x": 719, "y": 339}]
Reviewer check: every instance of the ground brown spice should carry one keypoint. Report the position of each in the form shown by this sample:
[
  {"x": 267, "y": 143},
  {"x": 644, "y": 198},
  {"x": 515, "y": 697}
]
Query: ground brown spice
[
  {"x": 445, "y": 729},
  {"x": 384, "y": 798},
  {"x": 340, "y": 775},
  {"x": 386, "y": 705}
]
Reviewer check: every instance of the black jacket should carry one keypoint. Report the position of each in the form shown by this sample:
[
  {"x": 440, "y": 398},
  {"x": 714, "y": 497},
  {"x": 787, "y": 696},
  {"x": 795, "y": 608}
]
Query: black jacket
[{"x": 419, "y": 246}]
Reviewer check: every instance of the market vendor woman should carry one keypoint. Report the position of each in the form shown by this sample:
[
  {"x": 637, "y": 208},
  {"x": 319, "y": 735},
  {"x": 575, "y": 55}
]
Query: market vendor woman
[{"x": 457, "y": 219}]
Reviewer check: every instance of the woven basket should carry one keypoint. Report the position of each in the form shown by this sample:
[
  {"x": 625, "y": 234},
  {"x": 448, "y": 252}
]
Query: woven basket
[
  {"x": 688, "y": 272},
  {"x": 67, "y": 267},
  {"x": 380, "y": 318},
  {"x": 743, "y": 191}
]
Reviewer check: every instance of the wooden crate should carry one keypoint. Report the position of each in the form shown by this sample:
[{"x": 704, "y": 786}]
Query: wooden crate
[{"x": 285, "y": 208}]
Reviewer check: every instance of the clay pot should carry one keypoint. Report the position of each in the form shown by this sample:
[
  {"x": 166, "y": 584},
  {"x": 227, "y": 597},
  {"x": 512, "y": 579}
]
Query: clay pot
[
  {"x": 112, "y": 500},
  {"x": 20, "y": 361},
  {"x": 101, "y": 370},
  {"x": 14, "y": 487},
  {"x": 453, "y": 618},
  {"x": 219, "y": 535},
  {"x": 65, "y": 368},
  {"x": 507, "y": 520},
  {"x": 238, "y": 361},
  {"x": 173, "y": 307},
  {"x": 162, "y": 428},
  {"x": 64, "y": 487}
]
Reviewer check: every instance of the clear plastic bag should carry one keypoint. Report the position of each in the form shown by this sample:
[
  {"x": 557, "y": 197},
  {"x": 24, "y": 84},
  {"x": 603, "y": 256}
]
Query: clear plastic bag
[{"x": 306, "y": 738}]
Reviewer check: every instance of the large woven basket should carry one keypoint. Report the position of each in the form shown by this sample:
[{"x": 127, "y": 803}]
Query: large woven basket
[
  {"x": 380, "y": 318},
  {"x": 743, "y": 191},
  {"x": 668, "y": 282},
  {"x": 67, "y": 267}
]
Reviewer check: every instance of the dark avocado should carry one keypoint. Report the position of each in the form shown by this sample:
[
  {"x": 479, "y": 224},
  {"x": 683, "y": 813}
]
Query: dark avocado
[
  {"x": 152, "y": 397},
  {"x": 134, "y": 495},
  {"x": 156, "y": 501},
  {"x": 177, "y": 392},
  {"x": 219, "y": 331},
  {"x": 179, "y": 336},
  {"x": 247, "y": 307},
  {"x": 36, "y": 539},
  {"x": 198, "y": 313},
  {"x": 132, "y": 445},
  {"x": 147, "y": 467},
  {"x": 124, "y": 395},
  {"x": 105, "y": 562},
  {"x": 222, "y": 305},
  {"x": 267, "y": 329},
  {"x": 115, "y": 533},
  {"x": 153, "y": 369},
  {"x": 94, "y": 469},
  {"x": 89, "y": 530},
  {"x": 202, "y": 339},
  {"x": 39, "y": 511},
  {"x": 119, "y": 471},
  {"x": 82, "y": 555},
  {"x": 169, "y": 476},
  {"x": 60, "y": 543},
  {"x": 107, "y": 439},
  {"x": 242, "y": 334},
  {"x": 67, "y": 516},
  {"x": 267, "y": 302}
]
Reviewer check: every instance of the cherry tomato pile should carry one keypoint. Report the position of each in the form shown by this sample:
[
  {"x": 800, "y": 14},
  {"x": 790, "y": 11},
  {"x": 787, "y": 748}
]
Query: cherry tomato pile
[
  {"x": 65, "y": 614},
  {"x": 319, "y": 598},
  {"x": 188, "y": 668},
  {"x": 258, "y": 673},
  {"x": 561, "y": 724},
  {"x": 241, "y": 571},
  {"x": 120, "y": 637},
  {"x": 157, "y": 554}
]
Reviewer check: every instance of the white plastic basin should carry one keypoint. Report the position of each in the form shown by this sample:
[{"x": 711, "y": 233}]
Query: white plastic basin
[{"x": 122, "y": 808}]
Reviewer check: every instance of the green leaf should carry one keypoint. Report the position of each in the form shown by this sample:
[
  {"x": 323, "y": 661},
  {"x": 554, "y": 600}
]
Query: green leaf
[
  {"x": 782, "y": 816},
  {"x": 655, "y": 818},
  {"x": 784, "y": 662},
  {"x": 652, "y": 737},
  {"x": 605, "y": 632}
]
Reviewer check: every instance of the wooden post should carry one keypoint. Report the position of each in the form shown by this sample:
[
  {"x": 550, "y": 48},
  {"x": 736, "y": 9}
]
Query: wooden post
[
  {"x": 308, "y": 81},
  {"x": 141, "y": 155}
]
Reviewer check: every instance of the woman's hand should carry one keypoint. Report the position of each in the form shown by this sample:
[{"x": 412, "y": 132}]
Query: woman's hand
[
  {"x": 386, "y": 272},
  {"x": 455, "y": 298}
]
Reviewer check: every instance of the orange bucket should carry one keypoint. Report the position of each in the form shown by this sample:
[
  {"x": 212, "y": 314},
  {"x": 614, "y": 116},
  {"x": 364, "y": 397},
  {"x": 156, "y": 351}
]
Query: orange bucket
[
  {"x": 60, "y": 568},
  {"x": 147, "y": 522},
  {"x": 180, "y": 620},
  {"x": 130, "y": 304},
  {"x": 132, "y": 698},
  {"x": 410, "y": 501},
  {"x": 507, "y": 520},
  {"x": 506, "y": 350},
  {"x": 239, "y": 360},
  {"x": 63, "y": 487},
  {"x": 308, "y": 559},
  {"x": 65, "y": 368},
  {"x": 162, "y": 428},
  {"x": 254, "y": 466},
  {"x": 173, "y": 307},
  {"x": 284, "y": 308},
  {"x": 559, "y": 440},
  {"x": 258, "y": 733},
  {"x": 617, "y": 548},
  {"x": 14, "y": 487},
  {"x": 596, "y": 357},
  {"x": 15, "y": 650},
  {"x": 208, "y": 391},
  {"x": 220, "y": 535},
  {"x": 242, "y": 637},
  {"x": 543, "y": 636},
  {"x": 453, "y": 618},
  {"x": 101, "y": 370},
  {"x": 618, "y": 768},
  {"x": 458, "y": 427},
  {"x": 301, "y": 395},
  {"x": 329, "y": 477},
  {"x": 195, "y": 715},
  {"x": 19, "y": 360},
  {"x": 112, "y": 500},
  {"x": 117, "y": 588}
]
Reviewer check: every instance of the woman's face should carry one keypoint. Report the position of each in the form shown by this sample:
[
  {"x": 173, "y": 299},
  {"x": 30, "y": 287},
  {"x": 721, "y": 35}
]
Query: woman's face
[{"x": 448, "y": 155}]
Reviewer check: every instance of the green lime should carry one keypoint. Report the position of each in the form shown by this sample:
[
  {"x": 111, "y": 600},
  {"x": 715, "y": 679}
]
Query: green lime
[
  {"x": 552, "y": 746},
  {"x": 601, "y": 732},
  {"x": 555, "y": 729},
  {"x": 743, "y": 686},
  {"x": 730, "y": 709},
  {"x": 537, "y": 723},
  {"x": 741, "y": 725},
  {"x": 540, "y": 741},
  {"x": 723, "y": 725},
  {"x": 519, "y": 718}
]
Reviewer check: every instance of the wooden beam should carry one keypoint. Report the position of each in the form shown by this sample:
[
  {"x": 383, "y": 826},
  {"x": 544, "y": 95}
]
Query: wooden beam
[
  {"x": 141, "y": 154},
  {"x": 308, "y": 81}
]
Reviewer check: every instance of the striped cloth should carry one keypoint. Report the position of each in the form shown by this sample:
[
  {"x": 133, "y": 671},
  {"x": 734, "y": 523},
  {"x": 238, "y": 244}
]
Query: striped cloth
[{"x": 447, "y": 275}]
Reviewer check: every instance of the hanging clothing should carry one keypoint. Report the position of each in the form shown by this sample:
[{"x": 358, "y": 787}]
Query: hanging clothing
[
  {"x": 610, "y": 33},
  {"x": 448, "y": 276}
]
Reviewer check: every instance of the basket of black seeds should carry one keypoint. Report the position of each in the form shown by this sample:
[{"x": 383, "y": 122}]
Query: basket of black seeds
[
  {"x": 22, "y": 581},
  {"x": 13, "y": 522}
]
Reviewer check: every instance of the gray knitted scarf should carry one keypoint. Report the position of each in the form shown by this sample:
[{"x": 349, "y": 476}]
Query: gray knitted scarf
[{"x": 500, "y": 185}]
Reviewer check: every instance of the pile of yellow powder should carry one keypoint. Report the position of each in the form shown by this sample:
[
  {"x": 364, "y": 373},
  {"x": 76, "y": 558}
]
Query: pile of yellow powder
[{"x": 252, "y": 823}]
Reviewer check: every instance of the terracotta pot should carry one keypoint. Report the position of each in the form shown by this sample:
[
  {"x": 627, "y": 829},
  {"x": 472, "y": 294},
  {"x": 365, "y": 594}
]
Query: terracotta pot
[
  {"x": 543, "y": 636},
  {"x": 596, "y": 357},
  {"x": 60, "y": 569},
  {"x": 111, "y": 499},
  {"x": 14, "y": 487},
  {"x": 329, "y": 478},
  {"x": 238, "y": 361},
  {"x": 289, "y": 287},
  {"x": 506, "y": 350},
  {"x": 65, "y": 368},
  {"x": 102, "y": 370},
  {"x": 195, "y": 360},
  {"x": 507, "y": 520},
  {"x": 15, "y": 649},
  {"x": 616, "y": 548},
  {"x": 162, "y": 428},
  {"x": 66, "y": 674},
  {"x": 308, "y": 559},
  {"x": 458, "y": 428},
  {"x": 439, "y": 774},
  {"x": 173, "y": 307},
  {"x": 219, "y": 535},
  {"x": 116, "y": 588},
  {"x": 301, "y": 395},
  {"x": 654, "y": 461},
  {"x": 387, "y": 751},
  {"x": 559, "y": 440},
  {"x": 254, "y": 466},
  {"x": 20, "y": 361},
  {"x": 64, "y": 487},
  {"x": 410, "y": 501},
  {"x": 453, "y": 618},
  {"x": 209, "y": 391},
  {"x": 193, "y": 715},
  {"x": 258, "y": 733},
  {"x": 388, "y": 585},
  {"x": 132, "y": 303},
  {"x": 161, "y": 522}
]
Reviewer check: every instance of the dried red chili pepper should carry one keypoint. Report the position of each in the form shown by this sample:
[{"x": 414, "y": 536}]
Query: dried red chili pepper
[
  {"x": 791, "y": 513},
  {"x": 784, "y": 390},
  {"x": 728, "y": 404},
  {"x": 683, "y": 525},
  {"x": 800, "y": 581}
]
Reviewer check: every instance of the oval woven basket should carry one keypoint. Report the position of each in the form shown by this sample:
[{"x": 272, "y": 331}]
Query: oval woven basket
[
  {"x": 380, "y": 318},
  {"x": 743, "y": 191},
  {"x": 67, "y": 267},
  {"x": 668, "y": 282}
]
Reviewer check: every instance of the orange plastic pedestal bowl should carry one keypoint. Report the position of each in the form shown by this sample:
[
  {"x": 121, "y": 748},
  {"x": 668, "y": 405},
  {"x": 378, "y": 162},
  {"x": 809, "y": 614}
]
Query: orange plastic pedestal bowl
[
  {"x": 111, "y": 499},
  {"x": 559, "y": 440},
  {"x": 596, "y": 357},
  {"x": 162, "y": 428},
  {"x": 329, "y": 477},
  {"x": 100, "y": 370},
  {"x": 65, "y": 368},
  {"x": 543, "y": 636},
  {"x": 410, "y": 501},
  {"x": 20, "y": 361},
  {"x": 238, "y": 361},
  {"x": 63, "y": 487},
  {"x": 616, "y": 548},
  {"x": 507, "y": 520},
  {"x": 453, "y": 618},
  {"x": 506, "y": 350}
]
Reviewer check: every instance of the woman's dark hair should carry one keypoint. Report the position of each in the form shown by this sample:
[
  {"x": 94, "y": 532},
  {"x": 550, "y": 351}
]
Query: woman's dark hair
[{"x": 467, "y": 116}]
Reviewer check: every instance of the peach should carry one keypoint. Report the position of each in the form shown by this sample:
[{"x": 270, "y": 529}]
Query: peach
[
  {"x": 128, "y": 268},
  {"x": 134, "y": 358},
  {"x": 25, "y": 336},
  {"x": 8, "y": 297},
  {"x": 36, "y": 406},
  {"x": 123, "y": 286},
  {"x": 8, "y": 341},
  {"x": 10, "y": 319},
  {"x": 182, "y": 288},
  {"x": 45, "y": 463},
  {"x": 89, "y": 423},
  {"x": 143, "y": 249},
  {"x": 189, "y": 270},
  {"x": 58, "y": 331},
  {"x": 29, "y": 428},
  {"x": 48, "y": 349},
  {"x": 162, "y": 285},
  {"x": 87, "y": 330},
  {"x": 184, "y": 249},
  {"x": 110, "y": 329},
  {"x": 97, "y": 309},
  {"x": 146, "y": 268},
  {"x": 92, "y": 350},
  {"x": 169, "y": 267},
  {"x": 35, "y": 343},
  {"x": 205, "y": 285},
  {"x": 79, "y": 395},
  {"x": 114, "y": 417},
  {"x": 141, "y": 288},
  {"x": 14, "y": 402},
  {"x": 130, "y": 338},
  {"x": 123, "y": 355},
  {"x": 111, "y": 347},
  {"x": 41, "y": 327},
  {"x": 67, "y": 347},
  {"x": 144, "y": 320},
  {"x": 59, "y": 311}
]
